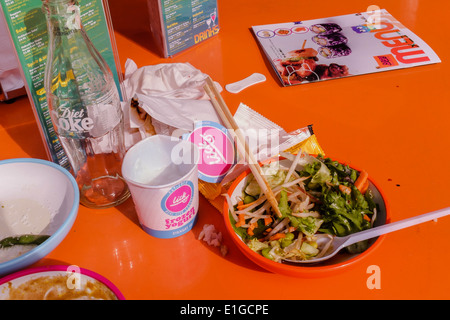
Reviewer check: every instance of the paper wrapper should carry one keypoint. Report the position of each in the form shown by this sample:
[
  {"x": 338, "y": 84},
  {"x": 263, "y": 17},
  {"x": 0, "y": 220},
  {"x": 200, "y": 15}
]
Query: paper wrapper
[{"x": 164, "y": 98}]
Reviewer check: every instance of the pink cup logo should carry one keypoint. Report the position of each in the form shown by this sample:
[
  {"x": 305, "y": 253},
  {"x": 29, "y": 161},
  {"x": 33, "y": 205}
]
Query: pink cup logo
[
  {"x": 217, "y": 154},
  {"x": 178, "y": 199}
]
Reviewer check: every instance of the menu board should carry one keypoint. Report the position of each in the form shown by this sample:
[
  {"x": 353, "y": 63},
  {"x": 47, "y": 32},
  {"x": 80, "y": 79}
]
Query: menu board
[
  {"x": 342, "y": 46},
  {"x": 27, "y": 26},
  {"x": 179, "y": 24}
]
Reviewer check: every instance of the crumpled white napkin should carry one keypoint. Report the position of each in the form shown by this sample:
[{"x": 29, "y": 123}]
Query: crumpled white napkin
[
  {"x": 171, "y": 93},
  {"x": 10, "y": 76},
  {"x": 167, "y": 80}
]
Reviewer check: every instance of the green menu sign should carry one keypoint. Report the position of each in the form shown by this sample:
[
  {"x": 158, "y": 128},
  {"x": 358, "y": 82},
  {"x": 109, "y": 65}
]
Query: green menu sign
[
  {"x": 28, "y": 28},
  {"x": 180, "y": 24}
]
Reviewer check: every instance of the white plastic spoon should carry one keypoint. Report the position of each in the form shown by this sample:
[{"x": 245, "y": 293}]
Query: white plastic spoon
[
  {"x": 245, "y": 83},
  {"x": 342, "y": 242}
]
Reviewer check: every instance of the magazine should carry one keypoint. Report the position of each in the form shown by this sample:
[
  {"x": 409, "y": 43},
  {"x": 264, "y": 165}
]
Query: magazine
[{"x": 342, "y": 46}]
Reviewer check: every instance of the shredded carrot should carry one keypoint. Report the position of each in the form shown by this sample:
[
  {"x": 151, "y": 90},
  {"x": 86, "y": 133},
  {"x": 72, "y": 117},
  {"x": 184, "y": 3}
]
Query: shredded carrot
[
  {"x": 241, "y": 205},
  {"x": 291, "y": 229},
  {"x": 267, "y": 220},
  {"x": 359, "y": 183},
  {"x": 277, "y": 236},
  {"x": 251, "y": 228},
  {"x": 241, "y": 221}
]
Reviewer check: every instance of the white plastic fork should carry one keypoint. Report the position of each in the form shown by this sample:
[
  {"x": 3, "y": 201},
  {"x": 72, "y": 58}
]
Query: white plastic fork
[{"x": 342, "y": 242}]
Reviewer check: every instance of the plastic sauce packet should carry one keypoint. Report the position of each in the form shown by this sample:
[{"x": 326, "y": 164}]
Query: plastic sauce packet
[{"x": 309, "y": 145}]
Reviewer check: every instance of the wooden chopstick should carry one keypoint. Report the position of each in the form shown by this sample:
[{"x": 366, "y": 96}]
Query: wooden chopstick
[{"x": 228, "y": 120}]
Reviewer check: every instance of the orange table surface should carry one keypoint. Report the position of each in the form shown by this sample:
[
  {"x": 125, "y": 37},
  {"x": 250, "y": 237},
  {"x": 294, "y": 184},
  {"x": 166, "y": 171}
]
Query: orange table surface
[{"x": 393, "y": 124}]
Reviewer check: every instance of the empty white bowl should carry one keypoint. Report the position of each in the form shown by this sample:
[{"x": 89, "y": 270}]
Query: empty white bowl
[{"x": 36, "y": 197}]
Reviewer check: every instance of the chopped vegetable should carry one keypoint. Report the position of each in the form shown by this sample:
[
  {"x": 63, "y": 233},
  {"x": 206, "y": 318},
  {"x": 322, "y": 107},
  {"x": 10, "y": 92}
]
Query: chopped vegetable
[
  {"x": 345, "y": 189},
  {"x": 241, "y": 221},
  {"x": 266, "y": 253},
  {"x": 267, "y": 220},
  {"x": 365, "y": 187},
  {"x": 27, "y": 239},
  {"x": 362, "y": 180},
  {"x": 286, "y": 241},
  {"x": 256, "y": 245},
  {"x": 273, "y": 176},
  {"x": 309, "y": 250},
  {"x": 251, "y": 228},
  {"x": 277, "y": 236},
  {"x": 247, "y": 202},
  {"x": 283, "y": 204}
]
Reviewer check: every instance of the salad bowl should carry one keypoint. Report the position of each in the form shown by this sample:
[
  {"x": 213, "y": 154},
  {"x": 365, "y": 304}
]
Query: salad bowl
[{"x": 342, "y": 261}]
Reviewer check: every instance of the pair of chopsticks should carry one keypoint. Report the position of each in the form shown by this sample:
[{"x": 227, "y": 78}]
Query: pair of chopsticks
[{"x": 243, "y": 148}]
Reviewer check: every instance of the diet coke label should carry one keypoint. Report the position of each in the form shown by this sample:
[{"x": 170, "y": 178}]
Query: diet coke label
[
  {"x": 74, "y": 118},
  {"x": 74, "y": 121}
]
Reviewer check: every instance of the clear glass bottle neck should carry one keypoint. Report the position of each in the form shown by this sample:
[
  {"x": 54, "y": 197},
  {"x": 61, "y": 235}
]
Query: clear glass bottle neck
[{"x": 63, "y": 16}]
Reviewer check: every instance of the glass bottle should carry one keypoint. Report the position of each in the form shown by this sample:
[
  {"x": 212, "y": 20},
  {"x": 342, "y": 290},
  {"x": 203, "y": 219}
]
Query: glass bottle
[{"x": 85, "y": 107}]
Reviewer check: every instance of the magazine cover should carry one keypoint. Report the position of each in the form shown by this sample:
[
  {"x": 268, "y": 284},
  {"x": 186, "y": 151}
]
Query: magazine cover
[{"x": 342, "y": 46}]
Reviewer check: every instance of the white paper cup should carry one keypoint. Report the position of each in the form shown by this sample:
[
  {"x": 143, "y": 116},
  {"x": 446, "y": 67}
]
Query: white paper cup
[{"x": 162, "y": 175}]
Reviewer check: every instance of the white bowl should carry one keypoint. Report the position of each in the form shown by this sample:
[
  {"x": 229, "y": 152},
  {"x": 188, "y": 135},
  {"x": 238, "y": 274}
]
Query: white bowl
[{"x": 36, "y": 197}]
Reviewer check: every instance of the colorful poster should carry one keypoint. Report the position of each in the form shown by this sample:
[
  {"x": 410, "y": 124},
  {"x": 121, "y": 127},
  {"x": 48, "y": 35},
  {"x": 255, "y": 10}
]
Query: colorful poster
[
  {"x": 28, "y": 29},
  {"x": 342, "y": 46}
]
